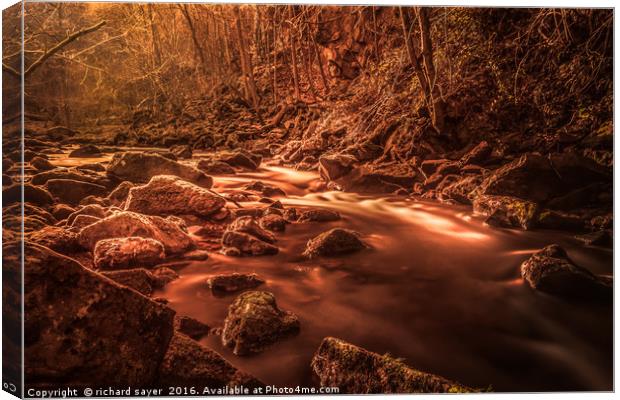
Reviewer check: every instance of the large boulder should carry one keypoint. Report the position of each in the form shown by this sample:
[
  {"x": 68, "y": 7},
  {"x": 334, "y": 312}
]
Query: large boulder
[
  {"x": 255, "y": 322},
  {"x": 73, "y": 192},
  {"x": 551, "y": 270},
  {"x": 241, "y": 159},
  {"x": 332, "y": 167},
  {"x": 128, "y": 252},
  {"x": 334, "y": 242},
  {"x": 32, "y": 194},
  {"x": 41, "y": 164},
  {"x": 81, "y": 325},
  {"x": 355, "y": 370},
  {"x": 69, "y": 173},
  {"x": 140, "y": 167},
  {"x": 169, "y": 195},
  {"x": 56, "y": 238},
  {"x": 125, "y": 224},
  {"x": 191, "y": 327},
  {"x": 538, "y": 178},
  {"x": 214, "y": 167},
  {"x": 461, "y": 190},
  {"x": 120, "y": 193},
  {"x": 189, "y": 364},
  {"x": 86, "y": 151},
  {"x": 506, "y": 211},
  {"x": 366, "y": 179},
  {"x": 139, "y": 279}
]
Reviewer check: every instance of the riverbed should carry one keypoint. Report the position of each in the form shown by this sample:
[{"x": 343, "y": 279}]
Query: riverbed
[{"x": 437, "y": 288}]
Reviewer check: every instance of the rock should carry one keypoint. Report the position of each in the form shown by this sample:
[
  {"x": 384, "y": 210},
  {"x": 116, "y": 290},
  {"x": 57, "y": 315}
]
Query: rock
[
  {"x": 601, "y": 222},
  {"x": 181, "y": 151},
  {"x": 138, "y": 167},
  {"x": 169, "y": 195},
  {"x": 238, "y": 243},
  {"x": 255, "y": 322},
  {"x": 86, "y": 151},
  {"x": 127, "y": 252},
  {"x": 550, "y": 219},
  {"x": 56, "y": 238},
  {"x": 189, "y": 364},
  {"x": 7, "y": 164},
  {"x": 93, "y": 210},
  {"x": 478, "y": 155},
  {"x": 79, "y": 324},
  {"x": 96, "y": 167},
  {"x": 247, "y": 224},
  {"x": 551, "y": 270},
  {"x": 332, "y": 167},
  {"x": 82, "y": 221},
  {"x": 196, "y": 255},
  {"x": 58, "y": 133},
  {"x": 265, "y": 189},
  {"x": 241, "y": 159},
  {"x": 273, "y": 222},
  {"x": 31, "y": 211},
  {"x": 32, "y": 194},
  {"x": 506, "y": 211},
  {"x": 191, "y": 327},
  {"x": 462, "y": 190},
  {"x": 215, "y": 167},
  {"x": 125, "y": 224},
  {"x": 358, "y": 371},
  {"x": 163, "y": 276},
  {"x": 229, "y": 283},
  {"x": 62, "y": 211},
  {"x": 7, "y": 180},
  {"x": 334, "y": 242},
  {"x": 95, "y": 200},
  {"x": 118, "y": 195},
  {"x": 365, "y": 179},
  {"x": 539, "y": 179},
  {"x": 319, "y": 215},
  {"x": 72, "y": 192},
  {"x": 588, "y": 196},
  {"x": 73, "y": 174},
  {"x": 600, "y": 238},
  {"x": 41, "y": 164},
  {"x": 138, "y": 279}
]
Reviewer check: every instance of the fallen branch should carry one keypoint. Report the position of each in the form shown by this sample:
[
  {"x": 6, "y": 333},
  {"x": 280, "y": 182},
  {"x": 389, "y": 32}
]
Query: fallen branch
[{"x": 69, "y": 39}]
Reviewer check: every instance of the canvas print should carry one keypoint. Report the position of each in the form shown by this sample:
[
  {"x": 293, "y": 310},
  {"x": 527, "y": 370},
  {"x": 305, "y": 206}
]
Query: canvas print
[{"x": 214, "y": 199}]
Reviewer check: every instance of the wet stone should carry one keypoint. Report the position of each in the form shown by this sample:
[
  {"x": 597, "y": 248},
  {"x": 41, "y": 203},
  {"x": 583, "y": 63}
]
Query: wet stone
[
  {"x": 122, "y": 253},
  {"x": 550, "y": 270},
  {"x": 355, "y": 370},
  {"x": 255, "y": 322},
  {"x": 191, "y": 327},
  {"x": 230, "y": 283},
  {"x": 334, "y": 242}
]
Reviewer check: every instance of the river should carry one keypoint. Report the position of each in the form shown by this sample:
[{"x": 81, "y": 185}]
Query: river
[{"x": 438, "y": 288}]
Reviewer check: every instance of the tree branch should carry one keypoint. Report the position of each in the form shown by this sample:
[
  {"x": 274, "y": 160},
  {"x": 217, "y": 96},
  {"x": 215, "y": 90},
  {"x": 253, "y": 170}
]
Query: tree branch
[{"x": 69, "y": 39}]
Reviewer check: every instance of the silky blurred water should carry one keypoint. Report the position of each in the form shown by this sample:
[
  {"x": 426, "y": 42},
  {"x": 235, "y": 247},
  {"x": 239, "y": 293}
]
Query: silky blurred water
[{"x": 438, "y": 288}]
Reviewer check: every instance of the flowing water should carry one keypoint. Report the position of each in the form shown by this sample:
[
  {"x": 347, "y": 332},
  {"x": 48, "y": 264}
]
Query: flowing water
[{"x": 438, "y": 288}]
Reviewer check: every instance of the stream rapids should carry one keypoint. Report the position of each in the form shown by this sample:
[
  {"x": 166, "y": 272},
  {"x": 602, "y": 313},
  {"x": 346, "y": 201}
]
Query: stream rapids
[{"x": 439, "y": 289}]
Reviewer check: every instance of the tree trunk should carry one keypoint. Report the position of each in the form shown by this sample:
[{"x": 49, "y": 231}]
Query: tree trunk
[
  {"x": 246, "y": 66},
  {"x": 293, "y": 54}
]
